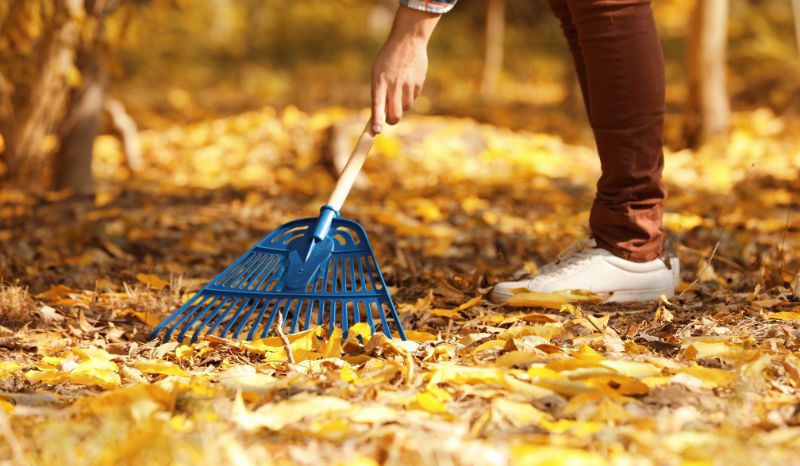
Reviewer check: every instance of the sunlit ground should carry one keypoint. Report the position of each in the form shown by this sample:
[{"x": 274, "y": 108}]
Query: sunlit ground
[{"x": 451, "y": 207}]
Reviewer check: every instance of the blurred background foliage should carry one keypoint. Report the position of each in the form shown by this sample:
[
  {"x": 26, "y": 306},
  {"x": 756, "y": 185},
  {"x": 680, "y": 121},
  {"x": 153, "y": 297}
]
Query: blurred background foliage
[
  {"x": 152, "y": 64},
  {"x": 188, "y": 60}
]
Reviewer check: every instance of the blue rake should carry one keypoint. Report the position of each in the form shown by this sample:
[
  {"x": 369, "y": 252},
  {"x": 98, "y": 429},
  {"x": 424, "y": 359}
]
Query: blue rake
[{"x": 309, "y": 271}]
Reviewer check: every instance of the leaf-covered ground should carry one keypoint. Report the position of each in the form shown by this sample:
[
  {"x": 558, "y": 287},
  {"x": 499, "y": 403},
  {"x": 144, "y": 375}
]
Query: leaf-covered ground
[{"x": 451, "y": 207}]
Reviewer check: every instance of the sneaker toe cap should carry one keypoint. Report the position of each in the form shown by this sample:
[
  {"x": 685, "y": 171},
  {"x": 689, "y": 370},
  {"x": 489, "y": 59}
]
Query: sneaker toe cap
[{"x": 504, "y": 290}]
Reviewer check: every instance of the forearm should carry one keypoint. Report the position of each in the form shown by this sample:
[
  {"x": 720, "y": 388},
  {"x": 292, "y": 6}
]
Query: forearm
[
  {"x": 398, "y": 72},
  {"x": 412, "y": 24}
]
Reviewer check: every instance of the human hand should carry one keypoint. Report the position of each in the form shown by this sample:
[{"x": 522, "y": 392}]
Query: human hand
[{"x": 399, "y": 70}]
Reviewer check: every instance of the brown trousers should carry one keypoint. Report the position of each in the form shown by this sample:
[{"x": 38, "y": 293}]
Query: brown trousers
[{"x": 620, "y": 66}]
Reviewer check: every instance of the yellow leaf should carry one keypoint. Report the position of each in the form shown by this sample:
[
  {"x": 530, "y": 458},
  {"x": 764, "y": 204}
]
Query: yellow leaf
[
  {"x": 455, "y": 312},
  {"x": 414, "y": 335},
  {"x": 518, "y": 414},
  {"x": 536, "y": 373},
  {"x": 276, "y": 416},
  {"x": 553, "y": 300},
  {"x": 576, "y": 428},
  {"x": 374, "y": 414},
  {"x": 471, "y": 303},
  {"x": 791, "y": 316},
  {"x": 6, "y": 407},
  {"x": 58, "y": 291},
  {"x": 445, "y": 312},
  {"x": 101, "y": 378},
  {"x": 428, "y": 402},
  {"x": 710, "y": 377},
  {"x": 360, "y": 329},
  {"x": 86, "y": 354},
  {"x": 563, "y": 386},
  {"x": 333, "y": 346},
  {"x": 184, "y": 352},
  {"x": 572, "y": 363},
  {"x": 540, "y": 455},
  {"x": 516, "y": 358},
  {"x": 359, "y": 461},
  {"x": 152, "y": 280},
  {"x": 620, "y": 384},
  {"x": 631, "y": 368},
  {"x": 768, "y": 303},
  {"x": 457, "y": 374},
  {"x": 702, "y": 349},
  {"x": 157, "y": 366},
  {"x": 487, "y": 345},
  {"x": 8, "y": 368},
  {"x": 656, "y": 381}
]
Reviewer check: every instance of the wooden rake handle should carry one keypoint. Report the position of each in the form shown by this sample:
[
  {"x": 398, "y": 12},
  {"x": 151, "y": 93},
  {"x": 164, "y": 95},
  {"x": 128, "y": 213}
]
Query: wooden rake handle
[{"x": 352, "y": 168}]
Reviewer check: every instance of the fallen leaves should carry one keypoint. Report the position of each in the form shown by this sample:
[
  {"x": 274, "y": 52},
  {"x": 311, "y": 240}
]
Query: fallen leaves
[{"x": 551, "y": 379}]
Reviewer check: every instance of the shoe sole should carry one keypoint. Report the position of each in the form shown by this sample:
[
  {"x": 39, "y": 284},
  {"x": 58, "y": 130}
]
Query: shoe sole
[
  {"x": 628, "y": 296},
  {"x": 634, "y": 296}
]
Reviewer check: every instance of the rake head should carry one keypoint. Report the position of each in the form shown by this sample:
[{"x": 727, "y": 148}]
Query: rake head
[{"x": 311, "y": 271}]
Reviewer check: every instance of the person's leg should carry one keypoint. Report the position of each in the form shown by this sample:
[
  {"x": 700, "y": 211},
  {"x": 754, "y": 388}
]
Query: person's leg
[
  {"x": 561, "y": 11},
  {"x": 621, "y": 70},
  {"x": 623, "y": 80}
]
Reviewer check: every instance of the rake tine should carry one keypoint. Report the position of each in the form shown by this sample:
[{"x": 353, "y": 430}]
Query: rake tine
[
  {"x": 209, "y": 319},
  {"x": 379, "y": 305},
  {"x": 256, "y": 323},
  {"x": 361, "y": 275},
  {"x": 396, "y": 318},
  {"x": 236, "y": 268},
  {"x": 243, "y": 319},
  {"x": 285, "y": 313},
  {"x": 332, "y": 314},
  {"x": 184, "y": 308},
  {"x": 222, "y": 316},
  {"x": 267, "y": 272},
  {"x": 310, "y": 312},
  {"x": 298, "y": 308},
  {"x": 357, "y": 311},
  {"x": 368, "y": 308},
  {"x": 254, "y": 268},
  {"x": 198, "y": 311},
  {"x": 322, "y": 302},
  {"x": 185, "y": 324},
  {"x": 272, "y": 316},
  {"x": 345, "y": 323},
  {"x": 384, "y": 323},
  {"x": 307, "y": 322},
  {"x": 352, "y": 274}
]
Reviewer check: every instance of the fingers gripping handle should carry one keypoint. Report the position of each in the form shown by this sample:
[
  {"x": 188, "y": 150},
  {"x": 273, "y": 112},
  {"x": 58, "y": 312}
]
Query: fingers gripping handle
[{"x": 352, "y": 168}]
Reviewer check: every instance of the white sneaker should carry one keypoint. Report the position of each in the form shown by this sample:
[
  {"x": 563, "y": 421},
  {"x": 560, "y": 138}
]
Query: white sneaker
[{"x": 584, "y": 266}]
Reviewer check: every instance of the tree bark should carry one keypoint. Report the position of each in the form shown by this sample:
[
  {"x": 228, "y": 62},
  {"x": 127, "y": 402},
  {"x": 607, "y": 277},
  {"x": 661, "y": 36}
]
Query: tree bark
[
  {"x": 27, "y": 124},
  {"x": 72, "y": 164},
  {"x": 796, "y": 11},
  {"x": 493, "y": 47},
  {"x": 708, "y": 111}
]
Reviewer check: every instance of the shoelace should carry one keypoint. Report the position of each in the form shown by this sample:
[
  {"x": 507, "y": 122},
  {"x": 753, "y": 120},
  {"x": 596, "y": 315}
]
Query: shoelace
[{"x": 571, "y": 256}]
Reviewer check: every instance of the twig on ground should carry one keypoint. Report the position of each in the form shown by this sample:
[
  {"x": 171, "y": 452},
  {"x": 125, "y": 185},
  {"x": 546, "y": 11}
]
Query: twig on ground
[{"x": 286, "y": 345}]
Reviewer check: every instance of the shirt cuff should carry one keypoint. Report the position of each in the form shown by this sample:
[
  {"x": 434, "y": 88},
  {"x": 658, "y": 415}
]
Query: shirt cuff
[{"x": 431, "y": 6}]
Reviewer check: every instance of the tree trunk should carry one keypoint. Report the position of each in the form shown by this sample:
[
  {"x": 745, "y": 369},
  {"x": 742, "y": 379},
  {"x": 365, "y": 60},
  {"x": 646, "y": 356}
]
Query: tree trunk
[
  {"x": 493, "y": 47},
  {"x": 72, "y": 165},
  {"x": 796, "y": 10},
  {"x": 26, "y": 127},
  {"x": 708, "y": 107}
]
